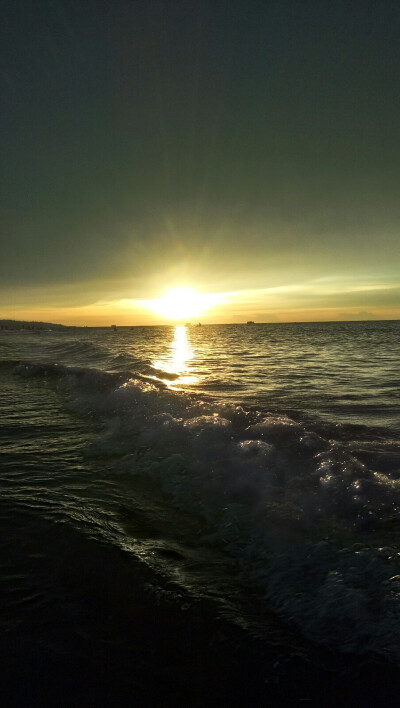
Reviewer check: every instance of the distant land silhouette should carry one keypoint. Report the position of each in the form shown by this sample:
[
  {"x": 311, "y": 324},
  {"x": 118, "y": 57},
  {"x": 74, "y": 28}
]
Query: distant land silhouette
[{"x": 21, "y": 324}]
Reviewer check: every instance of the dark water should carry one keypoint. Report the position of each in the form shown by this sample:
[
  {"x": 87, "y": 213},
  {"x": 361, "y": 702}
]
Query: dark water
[{"x": 254, "y": 466}]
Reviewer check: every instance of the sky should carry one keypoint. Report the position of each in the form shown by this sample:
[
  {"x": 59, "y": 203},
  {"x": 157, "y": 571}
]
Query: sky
[{"x": 248, "y": 150}]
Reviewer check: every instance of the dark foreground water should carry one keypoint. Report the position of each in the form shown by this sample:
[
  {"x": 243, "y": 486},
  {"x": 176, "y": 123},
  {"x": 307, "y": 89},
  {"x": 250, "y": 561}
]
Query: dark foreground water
[{"x": 201, "y": 515}]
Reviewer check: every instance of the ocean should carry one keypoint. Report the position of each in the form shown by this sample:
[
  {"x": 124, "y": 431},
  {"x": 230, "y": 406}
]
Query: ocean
[{"x": 196, "y": 514}]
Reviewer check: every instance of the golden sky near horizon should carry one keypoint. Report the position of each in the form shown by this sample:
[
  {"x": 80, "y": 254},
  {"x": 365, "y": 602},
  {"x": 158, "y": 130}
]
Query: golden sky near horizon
[{"x": 280, "y": 304}]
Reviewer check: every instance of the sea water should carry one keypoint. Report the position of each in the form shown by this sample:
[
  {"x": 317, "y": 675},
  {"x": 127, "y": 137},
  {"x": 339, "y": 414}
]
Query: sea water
[{"x": 255, "y": 465}]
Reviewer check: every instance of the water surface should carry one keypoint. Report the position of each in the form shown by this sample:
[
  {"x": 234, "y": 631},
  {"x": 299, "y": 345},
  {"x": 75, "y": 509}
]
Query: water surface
[{"x": 258, "y": 466}]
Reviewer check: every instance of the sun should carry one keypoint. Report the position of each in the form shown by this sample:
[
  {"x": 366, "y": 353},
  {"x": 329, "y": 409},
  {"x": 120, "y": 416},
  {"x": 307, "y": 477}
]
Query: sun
[{"x": 182, "y": 303}]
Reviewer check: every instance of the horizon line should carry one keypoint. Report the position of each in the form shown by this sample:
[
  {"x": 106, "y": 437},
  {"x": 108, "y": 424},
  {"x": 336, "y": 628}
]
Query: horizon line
[{"x": 192, "y": 324}]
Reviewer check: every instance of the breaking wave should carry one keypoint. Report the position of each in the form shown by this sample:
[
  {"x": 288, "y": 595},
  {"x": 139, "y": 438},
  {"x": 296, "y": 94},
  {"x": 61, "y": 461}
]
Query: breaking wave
[{"x": 307, "y": 512}]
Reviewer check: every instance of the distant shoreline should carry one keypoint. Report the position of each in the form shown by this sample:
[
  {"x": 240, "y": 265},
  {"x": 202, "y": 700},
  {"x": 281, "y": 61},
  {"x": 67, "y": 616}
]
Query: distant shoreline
[{"x": 31, "y": 325}]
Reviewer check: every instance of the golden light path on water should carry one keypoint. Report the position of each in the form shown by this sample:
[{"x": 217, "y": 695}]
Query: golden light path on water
[{"x": 178, "y": 359}]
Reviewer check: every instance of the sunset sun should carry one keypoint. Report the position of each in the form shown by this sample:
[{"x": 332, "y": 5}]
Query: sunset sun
[{"x": 183, "y": 303}]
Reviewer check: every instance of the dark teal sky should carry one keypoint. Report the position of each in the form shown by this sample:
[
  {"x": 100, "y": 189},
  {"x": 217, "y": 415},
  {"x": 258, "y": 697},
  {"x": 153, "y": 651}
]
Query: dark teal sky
[{"x": 225, "y": 144}]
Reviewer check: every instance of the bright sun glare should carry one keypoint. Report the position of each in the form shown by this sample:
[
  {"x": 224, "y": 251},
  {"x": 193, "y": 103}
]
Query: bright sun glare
[
  {"x": 180, "y": 304},
  {"x": 183, "y": 304}
]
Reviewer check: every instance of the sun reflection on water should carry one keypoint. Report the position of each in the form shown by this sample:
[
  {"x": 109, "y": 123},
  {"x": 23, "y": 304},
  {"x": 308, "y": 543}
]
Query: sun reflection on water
[{"x": 177, "y": 360}]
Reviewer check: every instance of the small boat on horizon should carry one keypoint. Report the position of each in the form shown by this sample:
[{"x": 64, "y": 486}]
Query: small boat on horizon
[{"x": 250, "y": 322}]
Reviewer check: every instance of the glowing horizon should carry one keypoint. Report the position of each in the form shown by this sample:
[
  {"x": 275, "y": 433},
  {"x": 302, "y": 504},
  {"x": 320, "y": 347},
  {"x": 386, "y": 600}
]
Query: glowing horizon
[{"x": 316, "y": 300}]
